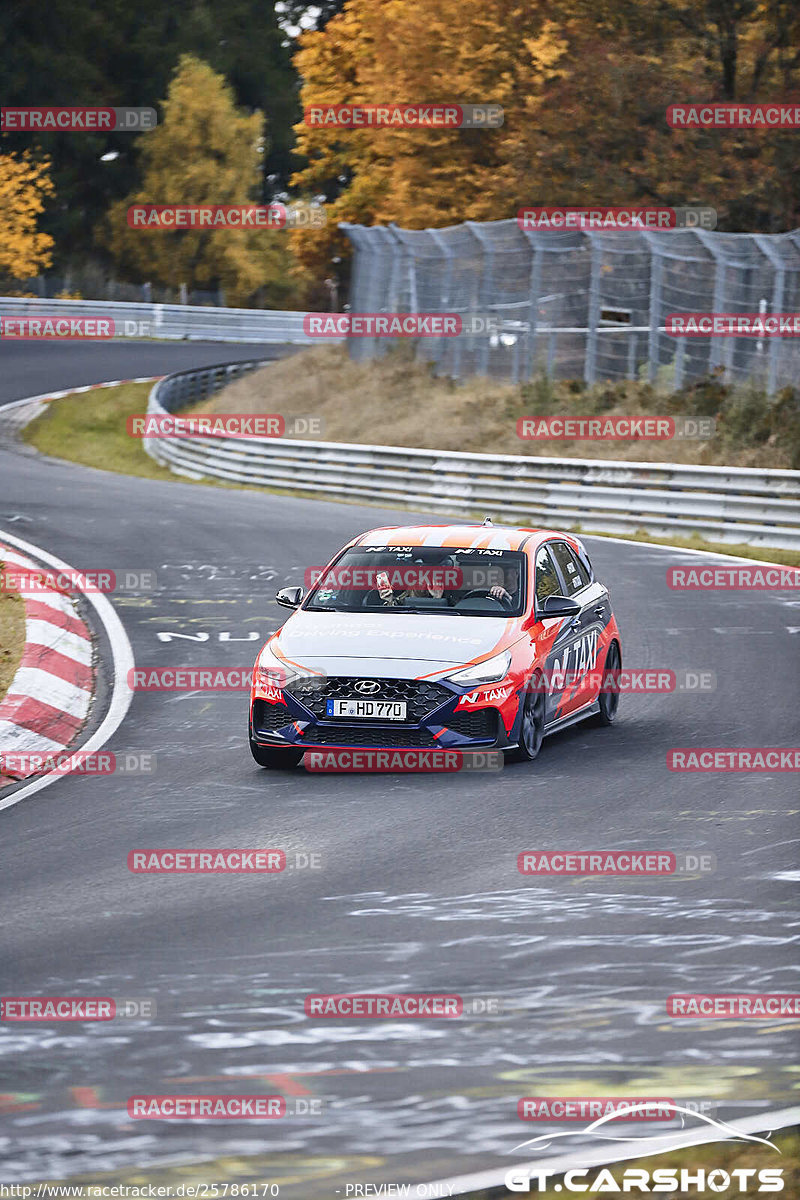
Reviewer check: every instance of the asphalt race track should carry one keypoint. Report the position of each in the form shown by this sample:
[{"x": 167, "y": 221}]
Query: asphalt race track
[{"x": 417, "y": 888}]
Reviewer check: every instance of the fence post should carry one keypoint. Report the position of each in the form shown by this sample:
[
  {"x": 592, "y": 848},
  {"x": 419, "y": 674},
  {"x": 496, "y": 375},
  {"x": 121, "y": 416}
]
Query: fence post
[
  {"x": 593, "y": 320},
  {"x": 446, "y": 293},
  {"x": 778, "y": 289},
  {"x": 533, "y": 305},
  {"x": 717, "y": 354},
  {"x": 656, "y": 285},
  {"x": 487, "y": 263}
]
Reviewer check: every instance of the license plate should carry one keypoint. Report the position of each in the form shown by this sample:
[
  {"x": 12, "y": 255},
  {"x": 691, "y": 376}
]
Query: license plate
[{"x": 384, "y": 710}]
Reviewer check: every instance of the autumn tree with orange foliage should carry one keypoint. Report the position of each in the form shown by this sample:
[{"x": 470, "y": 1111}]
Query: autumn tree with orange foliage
[
  {"x": 24, "y": 186},
  {"x": 584, "y": 84}
]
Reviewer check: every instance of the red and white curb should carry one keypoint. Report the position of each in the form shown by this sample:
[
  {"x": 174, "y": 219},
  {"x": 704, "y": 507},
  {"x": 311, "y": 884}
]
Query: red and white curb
[
  {"x": 48, "y": 701},
  {"x": 15, "y": 416},
  {"x": 118, "y": 668}
]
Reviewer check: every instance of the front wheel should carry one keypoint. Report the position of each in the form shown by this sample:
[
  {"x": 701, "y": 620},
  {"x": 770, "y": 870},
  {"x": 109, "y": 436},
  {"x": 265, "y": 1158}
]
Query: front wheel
[
  {"x": 531, "y": 731},
  {"x": 609, "y": 700},
  {"x": 275, "y": 758}
]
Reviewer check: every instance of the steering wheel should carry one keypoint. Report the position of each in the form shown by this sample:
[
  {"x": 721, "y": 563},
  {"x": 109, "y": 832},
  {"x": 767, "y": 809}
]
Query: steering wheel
[{"x": 504, "y": 600}]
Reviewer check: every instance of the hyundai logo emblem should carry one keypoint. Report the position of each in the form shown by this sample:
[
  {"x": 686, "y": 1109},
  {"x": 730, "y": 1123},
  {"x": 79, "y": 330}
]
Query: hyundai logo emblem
[{"x": 367, "y": 687}]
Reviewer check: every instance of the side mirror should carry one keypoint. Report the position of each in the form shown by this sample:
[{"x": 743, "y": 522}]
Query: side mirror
[
  {"x": 559, "y": 606},
  {"x": 289, "y": 597}
]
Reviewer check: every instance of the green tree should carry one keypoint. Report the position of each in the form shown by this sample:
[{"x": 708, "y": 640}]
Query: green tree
[{"x": 204, "y": 151}]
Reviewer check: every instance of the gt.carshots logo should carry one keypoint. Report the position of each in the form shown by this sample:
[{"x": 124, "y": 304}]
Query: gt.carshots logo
[{"x": 727, "y": 758}]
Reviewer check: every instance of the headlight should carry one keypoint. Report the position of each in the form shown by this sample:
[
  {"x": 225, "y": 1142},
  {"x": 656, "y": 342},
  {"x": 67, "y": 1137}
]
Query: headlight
[
  {"x": 491, "y": 671},
  {"x": 274, "y": 672}
]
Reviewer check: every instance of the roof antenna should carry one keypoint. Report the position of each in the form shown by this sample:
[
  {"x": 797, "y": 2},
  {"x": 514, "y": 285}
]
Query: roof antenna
[{"x": 488, "y": 521}]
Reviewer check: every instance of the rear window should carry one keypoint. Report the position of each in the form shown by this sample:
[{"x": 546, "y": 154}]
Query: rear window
[{"x": 574, "y": 572}]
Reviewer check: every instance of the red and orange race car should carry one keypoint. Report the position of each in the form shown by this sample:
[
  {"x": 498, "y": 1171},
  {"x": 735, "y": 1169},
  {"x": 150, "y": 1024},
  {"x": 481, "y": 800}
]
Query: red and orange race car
[{"x": 438, "y": 636}]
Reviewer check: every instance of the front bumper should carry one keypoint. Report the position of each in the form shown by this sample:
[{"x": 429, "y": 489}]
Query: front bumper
[{"x": 432, "y": 720}]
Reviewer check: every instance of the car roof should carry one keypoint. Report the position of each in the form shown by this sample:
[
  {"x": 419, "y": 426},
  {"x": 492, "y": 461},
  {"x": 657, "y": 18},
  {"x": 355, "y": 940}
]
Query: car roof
[{"x": 484, "y": 537}]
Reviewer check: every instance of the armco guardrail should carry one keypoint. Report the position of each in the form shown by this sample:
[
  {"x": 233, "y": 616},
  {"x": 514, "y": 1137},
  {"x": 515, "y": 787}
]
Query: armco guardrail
[
  {"x": 726, "y": 504},
  {"x": 173, "y": 320}
]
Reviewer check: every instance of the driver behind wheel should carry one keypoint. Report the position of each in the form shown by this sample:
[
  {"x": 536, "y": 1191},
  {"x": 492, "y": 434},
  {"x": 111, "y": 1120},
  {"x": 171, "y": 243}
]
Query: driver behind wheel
[
  {"x": 433, "y": 591},
  {"x": 498, "y": 592}
]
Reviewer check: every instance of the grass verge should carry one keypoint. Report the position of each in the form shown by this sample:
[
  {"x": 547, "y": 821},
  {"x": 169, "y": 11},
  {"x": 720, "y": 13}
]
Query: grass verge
[
  {"x": 12, "y": 636},
  {"x": 725, "y": 1156},
  {"x": 89, "y": 428}
]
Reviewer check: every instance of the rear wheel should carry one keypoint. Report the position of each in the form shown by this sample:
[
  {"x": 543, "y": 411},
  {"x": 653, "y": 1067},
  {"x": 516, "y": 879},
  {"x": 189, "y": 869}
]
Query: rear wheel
[
  {"x": 531, "y": 730},
  {"x": 609, "y": 700}
]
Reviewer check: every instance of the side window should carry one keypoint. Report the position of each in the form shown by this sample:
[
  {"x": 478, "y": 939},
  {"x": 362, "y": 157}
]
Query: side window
[
  {"x": 573, "y": 570},
  {"x": 547, "y": 582}
]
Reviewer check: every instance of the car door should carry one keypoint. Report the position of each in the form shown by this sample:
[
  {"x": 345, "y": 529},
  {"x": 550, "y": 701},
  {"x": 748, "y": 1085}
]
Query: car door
[
  {"x": 562, "y": 653},
  {"x": 587, "y": 627}
]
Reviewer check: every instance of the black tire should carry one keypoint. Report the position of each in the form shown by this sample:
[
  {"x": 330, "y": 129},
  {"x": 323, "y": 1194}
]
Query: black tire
[
  {"x": 609, "y": 701},
  {"x": 275, "y": 758},
  {"x": 531, "y": 731}
]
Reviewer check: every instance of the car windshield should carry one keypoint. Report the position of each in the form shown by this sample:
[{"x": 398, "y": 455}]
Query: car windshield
[{"x": 423, "y": 580}]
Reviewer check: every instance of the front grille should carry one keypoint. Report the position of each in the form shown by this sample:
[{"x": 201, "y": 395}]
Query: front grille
[
  {"x": 387, "y": 738},
  {"x": 420, "y": 696},
  {"x": 269, "y": 717},
  {"x": 480, "y": 724}
]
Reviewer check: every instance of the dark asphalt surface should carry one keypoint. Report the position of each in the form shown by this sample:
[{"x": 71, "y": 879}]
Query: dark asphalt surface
[
  {"x": 417, "y": 890},
  {"x": 34, "y": 369}
]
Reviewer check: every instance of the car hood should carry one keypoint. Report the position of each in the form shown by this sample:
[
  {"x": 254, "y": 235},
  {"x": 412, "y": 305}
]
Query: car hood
[{"x": 341, "y": 642}]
